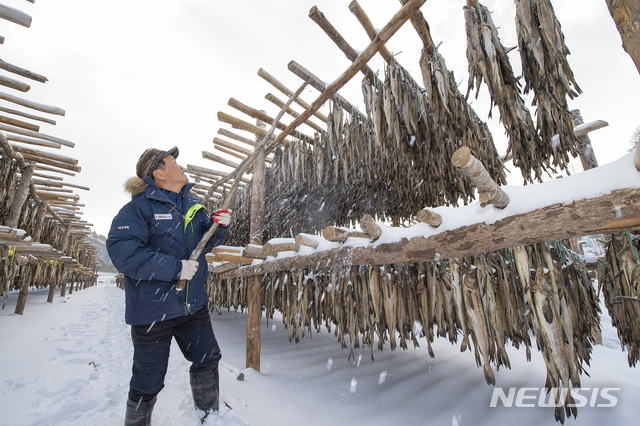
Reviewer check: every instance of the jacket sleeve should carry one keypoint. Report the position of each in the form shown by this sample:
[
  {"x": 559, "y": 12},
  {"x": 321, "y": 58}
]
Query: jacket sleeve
[
  {"x": 127, "y": 248},
  {"x": 218, "y": 237}
]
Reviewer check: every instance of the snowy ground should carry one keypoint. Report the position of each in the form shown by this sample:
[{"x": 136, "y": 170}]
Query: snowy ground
[{"x": 68, "y": 363}]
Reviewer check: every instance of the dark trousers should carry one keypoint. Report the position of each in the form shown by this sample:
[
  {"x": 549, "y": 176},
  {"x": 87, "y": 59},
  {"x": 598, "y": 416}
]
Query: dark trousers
[{"x": 151, "y": 344}]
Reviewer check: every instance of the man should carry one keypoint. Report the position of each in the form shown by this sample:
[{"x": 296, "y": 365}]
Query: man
[{"x": 150, "y": 240}]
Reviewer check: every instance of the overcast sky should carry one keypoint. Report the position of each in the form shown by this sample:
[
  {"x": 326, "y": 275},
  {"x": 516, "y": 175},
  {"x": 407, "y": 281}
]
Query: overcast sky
[{"x": 154, "y": 73}]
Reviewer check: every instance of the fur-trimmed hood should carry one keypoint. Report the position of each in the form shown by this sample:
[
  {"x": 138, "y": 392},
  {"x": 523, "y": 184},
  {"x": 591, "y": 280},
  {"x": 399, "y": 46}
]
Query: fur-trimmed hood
[{"x": 134, "y": 186}]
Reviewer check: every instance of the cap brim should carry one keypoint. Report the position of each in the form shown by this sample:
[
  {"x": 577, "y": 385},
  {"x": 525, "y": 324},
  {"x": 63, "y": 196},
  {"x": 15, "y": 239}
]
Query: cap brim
[
  {"x": 160, "y": 156},
  {"x": 173, "y": 152}
]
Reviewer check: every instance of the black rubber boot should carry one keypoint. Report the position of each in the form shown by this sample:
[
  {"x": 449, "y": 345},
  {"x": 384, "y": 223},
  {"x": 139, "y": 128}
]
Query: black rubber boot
[
  {"x": 139, "y": 412},
  {"x": 204, "y": 387}
]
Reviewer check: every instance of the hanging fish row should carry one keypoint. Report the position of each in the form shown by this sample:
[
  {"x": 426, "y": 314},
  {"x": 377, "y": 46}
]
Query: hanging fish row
[
  {"x": 488, "y": 61},
  {"x": 16, "y": 276},
  {"x": 564, "y": 316},
  {"x": 546, "y": 70},
  {"x": 620, "y": 283},
  {"x": 486, "y": 301},
  {"x": 9, "y": 176},
  {"x": 390, "y": 166}
]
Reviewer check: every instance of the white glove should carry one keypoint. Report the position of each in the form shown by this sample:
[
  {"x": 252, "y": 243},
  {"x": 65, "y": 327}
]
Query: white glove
[
  {"x": 222, "y": 217},
  {"x": 189, "y": 268}
]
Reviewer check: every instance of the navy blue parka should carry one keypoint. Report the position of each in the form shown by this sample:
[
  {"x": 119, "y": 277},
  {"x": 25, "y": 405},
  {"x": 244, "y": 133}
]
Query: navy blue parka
[{"x": 148, "y": 239}]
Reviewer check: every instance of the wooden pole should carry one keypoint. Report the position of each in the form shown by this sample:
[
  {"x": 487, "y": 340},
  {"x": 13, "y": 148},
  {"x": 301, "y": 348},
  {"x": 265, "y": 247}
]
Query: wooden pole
[
  {"x": 42, "y": 208},
  {"x": 371, "y": 31},
  {"x": 237, "y": 123},
  {"x": 36, "y": 135},
  {"x": 66, "y": 237},
  {"x": 33, "y": 141},
  {"x": 209, "y": 156},
  {"x": 33, "y": 105},
  {"x": 20, "y": 196},
  {"x": 555, "y": 221},
  {"x": 626, "y": 15},
  {"x": 213, "y": 174},
  {"x": 319, "y": 18},
  {"x": 54, "y": 282},
  {"x": 22, "y": 72},
  {"x": 587, "y": 156},
  {"x": 22, "y": 296},
  {"x": 14, "y": 84},
  {"x": 53, "y": 169},
  {"x": 422, "y": 28},
  {"x": 281, "y": 87},
  {"x": 239, "y": 172},
  {"x": 262, "y": 116},
  {"x": 26, "y": 115},
  {"x": 408, "y": 10},
  {"x": 230, "y": 152},
  {"x": 14, "y": 15},
  {"x": 253, "y": 323},
  {"x": 19, "y": 123},
  {"x": 319, "y": 85},
  {"x": 231, "y": 146},
  {"x": 279, "y": 103},
  {"x": 257, "y": 194},
  {"x": 224, "y": 132},
  {"x": 383, "y": 36},
  {"x": 45, "y": 154},
  {"x": 470, "y": 166},
  {"x": 58, "y": 164},
  {"x": 254, "y": 302}
]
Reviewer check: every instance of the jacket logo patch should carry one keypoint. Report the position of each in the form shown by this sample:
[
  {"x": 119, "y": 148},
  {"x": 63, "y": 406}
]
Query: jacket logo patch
[
  {"x": 123, "y": 227},
  {"x": 163, "y": 216}
]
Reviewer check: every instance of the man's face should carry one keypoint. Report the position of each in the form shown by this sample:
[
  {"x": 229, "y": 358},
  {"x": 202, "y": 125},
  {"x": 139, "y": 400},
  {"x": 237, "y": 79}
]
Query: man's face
[{"x": 172, "y": 172}]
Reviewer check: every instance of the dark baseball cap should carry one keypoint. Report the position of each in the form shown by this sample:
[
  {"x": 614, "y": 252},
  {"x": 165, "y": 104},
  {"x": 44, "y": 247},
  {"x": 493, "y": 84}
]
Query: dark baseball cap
[{"x": 149, "y": 160}]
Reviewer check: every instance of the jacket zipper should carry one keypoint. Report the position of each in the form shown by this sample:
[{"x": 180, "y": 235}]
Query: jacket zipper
[{"x": 187, "y": 311}]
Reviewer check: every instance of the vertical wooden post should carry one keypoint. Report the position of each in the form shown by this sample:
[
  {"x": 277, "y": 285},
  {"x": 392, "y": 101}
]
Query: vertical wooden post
[
  {"x": 66, "y": 238},
  {"x": 257, "y": 195},
  {"x": 22, "y": 297},
  {"x": 54, "y": 282},
  {"x": 42, "y": 209},
  {"x": 13, "y": 263},
  {"x": 626, "y": 14},
  {"x": 20, "y": 196},
  {"x": 254, "y": 302},
  {"x": 63, "y": 284},
  {"x": 587, "y": 157}
]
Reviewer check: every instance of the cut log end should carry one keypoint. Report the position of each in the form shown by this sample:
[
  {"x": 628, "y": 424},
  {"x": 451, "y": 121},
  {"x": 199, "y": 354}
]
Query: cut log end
[
  {"x": 272, "y": 249},
  {"x": 306, "y": 241},
  {"x": 429, "y": 217},
  {"x": 339, "y": 235},
  {"x": 369, "y": 226},
  {"x": 498, "y": 199},
  {"x": 461, "y": 157}
]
